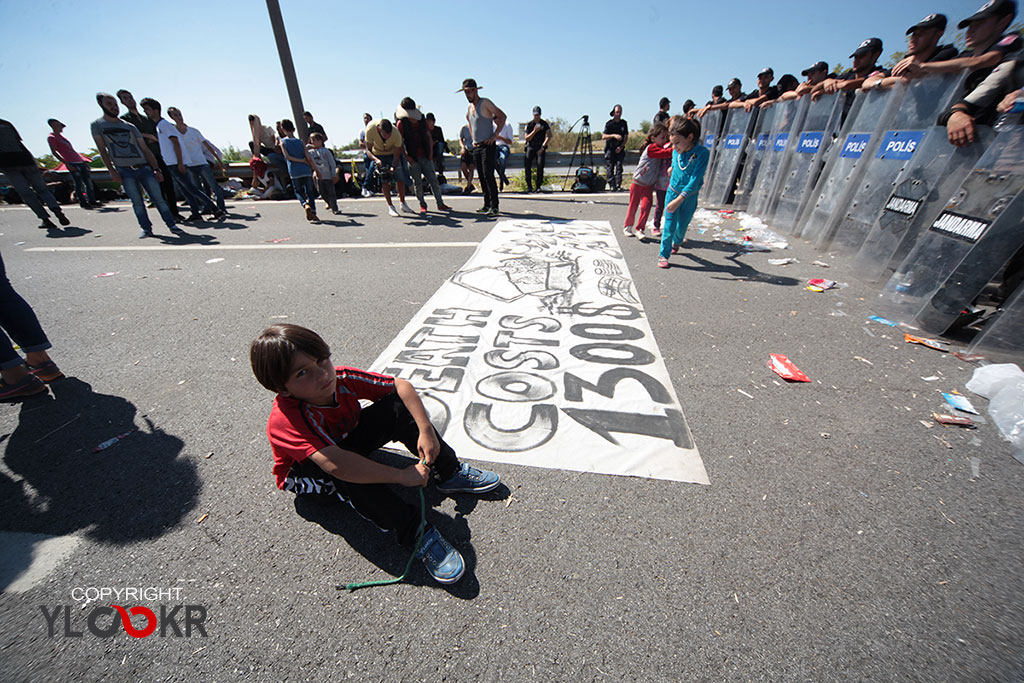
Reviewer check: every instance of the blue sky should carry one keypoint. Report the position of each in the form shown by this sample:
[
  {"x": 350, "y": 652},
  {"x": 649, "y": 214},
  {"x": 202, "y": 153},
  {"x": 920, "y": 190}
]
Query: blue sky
[{"x": 217, "y": 61}]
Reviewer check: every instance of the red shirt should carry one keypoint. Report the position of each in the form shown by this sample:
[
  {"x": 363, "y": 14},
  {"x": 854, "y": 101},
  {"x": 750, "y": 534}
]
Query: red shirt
[
  {"x": 298, "y": 429},
  {"x": 62, "y": 146}
]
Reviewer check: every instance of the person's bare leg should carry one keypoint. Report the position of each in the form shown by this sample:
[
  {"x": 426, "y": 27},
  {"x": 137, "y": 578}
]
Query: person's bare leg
[
  {"x": 401, "y": 191},
  {"x": 387, "y": 194}
]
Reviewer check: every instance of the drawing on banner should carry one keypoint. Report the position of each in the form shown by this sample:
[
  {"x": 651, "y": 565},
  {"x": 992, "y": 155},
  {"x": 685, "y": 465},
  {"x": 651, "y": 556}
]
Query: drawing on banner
[{"x": 538, "y": 352}]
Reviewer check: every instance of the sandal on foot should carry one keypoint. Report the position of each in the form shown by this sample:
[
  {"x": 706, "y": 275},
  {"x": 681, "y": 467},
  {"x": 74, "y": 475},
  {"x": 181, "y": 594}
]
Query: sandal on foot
[
  {"x": 663, "y": 263},
  {"x": 48, "y": 371},
  {"x": 26, "y": 386}
]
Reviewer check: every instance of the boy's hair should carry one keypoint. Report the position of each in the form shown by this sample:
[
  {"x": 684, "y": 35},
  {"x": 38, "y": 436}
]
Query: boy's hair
[
  {"x": 121, "y": 91},
  {"x": 685, "y": 128},
  {"x": 408, "y": 103},
  {"x": 271, "y": 353},
  {"x": 287, "y": 125},
  {"x": 385, "y": 125},
  {"x": 149, "y": 103},
  {"x": 316, "y": 136},
  {"x": 430, "y": 116},
  {"x": 101, "y": 95}
]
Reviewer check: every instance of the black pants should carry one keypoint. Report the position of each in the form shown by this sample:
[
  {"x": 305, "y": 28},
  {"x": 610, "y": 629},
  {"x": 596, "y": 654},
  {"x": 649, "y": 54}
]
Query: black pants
[
  {"x": 539, "y": 156},
  {"x": 385, "y": 421},
  {"x": 484, "y": 158},
  {"x": 167, "y": 185},
  {"x": 613, "y": 165}
]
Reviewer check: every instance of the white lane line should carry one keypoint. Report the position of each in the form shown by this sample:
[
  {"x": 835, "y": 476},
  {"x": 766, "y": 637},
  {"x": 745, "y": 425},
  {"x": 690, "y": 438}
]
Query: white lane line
[{"x": 237, "y": 247}]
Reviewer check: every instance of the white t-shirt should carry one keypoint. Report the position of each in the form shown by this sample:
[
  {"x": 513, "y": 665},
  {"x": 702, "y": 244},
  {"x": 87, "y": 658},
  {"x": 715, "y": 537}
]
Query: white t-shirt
[
  {"x": 506, "y": 132},
  {"x": 191, "y": 142},
  {"x": 165, "y": 130}
]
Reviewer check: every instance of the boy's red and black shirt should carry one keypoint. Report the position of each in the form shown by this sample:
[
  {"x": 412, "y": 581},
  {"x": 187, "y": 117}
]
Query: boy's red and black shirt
[{"x": 297, "y": 429}]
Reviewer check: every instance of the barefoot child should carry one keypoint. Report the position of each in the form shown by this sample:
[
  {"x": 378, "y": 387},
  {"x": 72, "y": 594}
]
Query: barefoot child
[
  {"x": 322, "y": 439},
  {"x": 689, "y": 161},
  {"x": 653, "y": 160}
]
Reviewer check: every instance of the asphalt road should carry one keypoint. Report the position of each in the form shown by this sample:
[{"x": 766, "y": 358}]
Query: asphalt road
[{"x": 839, "y": 539}]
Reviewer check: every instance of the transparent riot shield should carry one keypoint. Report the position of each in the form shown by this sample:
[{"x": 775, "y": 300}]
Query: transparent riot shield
[
  {"x": 1002, "y": 339},
  {"x": 923, "y": 189},
  {"x": 737, "y": 131},
  {"x": 911, "y": 135},
  {"x": 711, "y": 128},
  {"x": 869, "y": 116},
  {"x": 820, "y": 129},
  {"x": 966, "y": 244},
  {"x": 788, "y": 118},
  {"x": 753, "y": 155}
]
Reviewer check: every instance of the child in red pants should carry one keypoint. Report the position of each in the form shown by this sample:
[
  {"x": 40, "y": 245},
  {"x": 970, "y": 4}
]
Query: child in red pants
[{"x": 653, "y": 160}]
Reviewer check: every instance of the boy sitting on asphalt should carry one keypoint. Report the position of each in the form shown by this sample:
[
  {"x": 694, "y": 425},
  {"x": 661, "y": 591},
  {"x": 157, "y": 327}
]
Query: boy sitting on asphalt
[{"x": 321, "y": 437}]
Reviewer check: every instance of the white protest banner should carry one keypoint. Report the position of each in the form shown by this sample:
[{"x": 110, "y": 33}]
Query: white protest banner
[{"x": 538, "y": 352}]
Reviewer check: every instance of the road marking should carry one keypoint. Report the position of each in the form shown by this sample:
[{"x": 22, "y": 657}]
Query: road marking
[{"x": 238, "y": 247}]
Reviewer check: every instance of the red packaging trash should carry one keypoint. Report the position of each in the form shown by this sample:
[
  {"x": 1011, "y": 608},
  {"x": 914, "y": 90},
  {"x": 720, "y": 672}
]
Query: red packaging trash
[
  {"x": 818, "y": 284},
  {"x": 784, "y": 368}
]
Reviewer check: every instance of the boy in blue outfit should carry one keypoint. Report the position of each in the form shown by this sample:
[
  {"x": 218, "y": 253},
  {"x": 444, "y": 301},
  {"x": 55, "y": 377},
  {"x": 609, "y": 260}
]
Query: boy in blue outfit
[
  {"x": 689, "y": 162},
  {"x": 321, "y": 439},
  {"x": 301, "y": 168}
]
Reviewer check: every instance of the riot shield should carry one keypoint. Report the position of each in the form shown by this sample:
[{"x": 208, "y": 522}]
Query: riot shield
[
  {"x": 923, "y": 189},
  {"x": 910, "y": 135},
  {"x": 869, "y": 116},
  {"x": 753, "y": 155},
  {"x": 788, "y": 119},
  {"x": 711, "y": 129},
  {"x": 820, "y": 129},
  {"x": 738, "y": 127},
  {"x": 1002, "y": 340},
  {"x": 967, "y": 244}
]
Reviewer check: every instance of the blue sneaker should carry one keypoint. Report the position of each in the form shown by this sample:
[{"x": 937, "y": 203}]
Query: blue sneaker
[
  {"x": 469, "y": 480},
  {"x": 443, "y": 561}
]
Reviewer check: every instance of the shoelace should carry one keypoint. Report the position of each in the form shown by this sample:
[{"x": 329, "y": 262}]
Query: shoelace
[{"x": 415, "y": 549}]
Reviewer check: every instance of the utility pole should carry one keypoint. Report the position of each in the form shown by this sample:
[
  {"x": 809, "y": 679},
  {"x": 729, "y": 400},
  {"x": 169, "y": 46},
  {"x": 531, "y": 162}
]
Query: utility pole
[{"x": 285, "y": 52}]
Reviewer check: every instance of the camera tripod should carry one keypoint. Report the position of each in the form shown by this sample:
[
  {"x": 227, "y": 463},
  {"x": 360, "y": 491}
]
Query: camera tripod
[{"x": 584, "y": 147}]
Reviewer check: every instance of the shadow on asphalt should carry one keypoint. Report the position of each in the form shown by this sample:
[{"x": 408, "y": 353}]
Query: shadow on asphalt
[
  {"x": 737, "y": 271},
  {"x": 70, "y": 231},
  {"x": 136, "y": 489}
]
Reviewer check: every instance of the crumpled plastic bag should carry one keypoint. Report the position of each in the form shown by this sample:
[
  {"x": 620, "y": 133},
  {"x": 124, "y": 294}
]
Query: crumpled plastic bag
[{"x": 1003, "y": 385}]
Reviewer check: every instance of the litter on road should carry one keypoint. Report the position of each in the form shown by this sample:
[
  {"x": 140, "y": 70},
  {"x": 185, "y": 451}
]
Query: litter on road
[
  {"x": 930, "y": 343},
  {"x": 784, "y": 368},
  {"x": 944, "y": 419},
  {"x": 961, "y": 403}
]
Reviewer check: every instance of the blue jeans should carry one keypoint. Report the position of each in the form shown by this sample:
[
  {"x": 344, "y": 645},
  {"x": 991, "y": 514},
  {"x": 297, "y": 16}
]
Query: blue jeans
[
  {"x": 501, "y": 159},
  {"x": 197, "y": 201},
  {"x": 133, "y": 180},
  {"x": 304, "y": 190},
  {"x": 28, "y": 182},
  {"x": 20, "y": 322},
  {"x": 202, "y": 173},
  {"x": 83, "y": 182}
]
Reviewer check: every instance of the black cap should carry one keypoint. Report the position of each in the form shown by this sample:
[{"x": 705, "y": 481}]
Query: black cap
[
  {"x": 869, "y": 45},
  {"x": 735, "y": 82},
  {"x": 817, "y": 66},
  {"x": 766, "y": 70},
  {"x": 536, "y": 110},
  {"x": 992, "y": 8},
  {"x": 931, "y": 21}
]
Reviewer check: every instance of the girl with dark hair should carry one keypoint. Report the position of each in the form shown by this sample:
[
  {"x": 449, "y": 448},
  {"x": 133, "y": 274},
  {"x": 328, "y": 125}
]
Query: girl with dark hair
[
  {"x": 652, "y": 165},
  {"x": 689, "y": 162}
]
